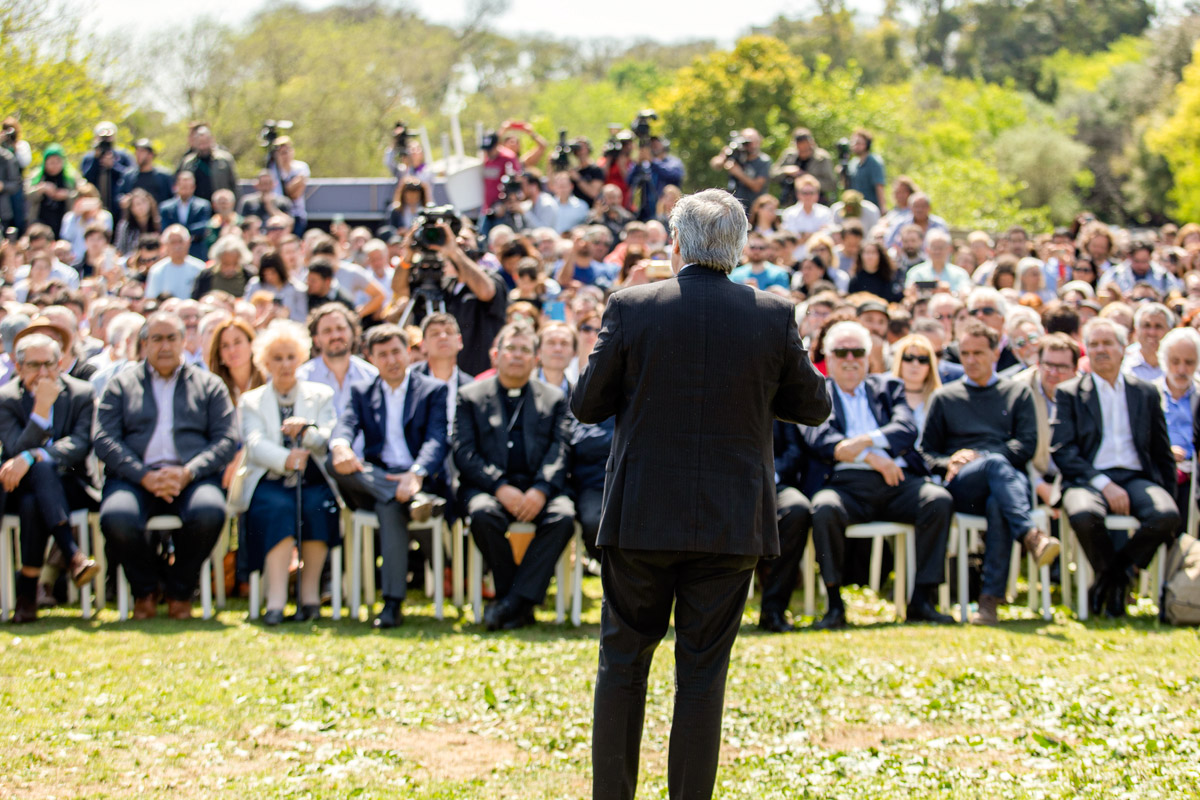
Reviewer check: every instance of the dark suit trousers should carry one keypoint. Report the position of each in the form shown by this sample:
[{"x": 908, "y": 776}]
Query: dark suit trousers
[
  {"x": 1151, "y": 504},
  {"x": 779, "y": 574},
  {"x": 855, "y": 496},
  {"x": 555, "y": 527},
  {"x": 44, "y": 500},
  {"x": 588, "y": 506},
  {"x": 123, "y": 514},
  {"x": 640, "y": 586},
  {"x": 370, "y": 489}
]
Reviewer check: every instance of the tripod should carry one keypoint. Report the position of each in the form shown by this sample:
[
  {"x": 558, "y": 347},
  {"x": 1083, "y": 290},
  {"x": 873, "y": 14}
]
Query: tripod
[{"x": 432, "y": 298}]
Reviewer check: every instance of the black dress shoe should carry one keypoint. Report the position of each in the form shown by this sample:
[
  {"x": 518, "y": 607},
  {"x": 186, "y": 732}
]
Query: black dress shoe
[
  {"x": 492, "y": 614},
  {"x": 774, "y": 622},
  {"x": 834, "y": 619},
  {"x": 273, "y": 617},
  {"x": 922, "y": 610},
  {"x": 306, "y": 613},
  {"x": 1118, "y": 595},
  {"x": 391, "y": 616},
  {"x": 1097, "y": 596},
  {"x": 522, "y": 618}
]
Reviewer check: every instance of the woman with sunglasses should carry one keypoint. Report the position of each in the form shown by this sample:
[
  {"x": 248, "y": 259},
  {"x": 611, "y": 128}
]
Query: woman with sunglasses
[
  {"x": 1024, "y": 331},
  {"x": 914, "y": 363}
]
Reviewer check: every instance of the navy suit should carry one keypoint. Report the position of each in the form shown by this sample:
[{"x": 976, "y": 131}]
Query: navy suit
[
  {"x": 425, "y": 434},
  {"x": 794, "y": 514},
  {"x": 199, "y": 213},
  {"x": 852, "y": 494}
]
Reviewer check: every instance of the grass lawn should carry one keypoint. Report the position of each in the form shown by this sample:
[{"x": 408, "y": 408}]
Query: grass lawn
[{"x": 229, "y": 709}]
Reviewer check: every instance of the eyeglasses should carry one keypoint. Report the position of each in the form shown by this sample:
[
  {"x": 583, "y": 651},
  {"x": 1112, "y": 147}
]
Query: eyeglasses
[
  {"x": 1050, "y": 367},
  {"x": 588, "y": 329},
  {"x": 983, "y": 310},
  {"x": 1021, "y": 341},
  {"x": 847, "y": 352},
  {"x": 909, "y": 358}
]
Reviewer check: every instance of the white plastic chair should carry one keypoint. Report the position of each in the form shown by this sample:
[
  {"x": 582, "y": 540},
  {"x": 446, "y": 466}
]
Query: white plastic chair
[
  {"x": 170, "y": 522},
  {"x": 335, "y": 567},
  {"x": 362, "y": 560},
  {"x": 565, "y": 584},
  {"x": 10, "y": 561},
  {"x": 904, "y": 538}
]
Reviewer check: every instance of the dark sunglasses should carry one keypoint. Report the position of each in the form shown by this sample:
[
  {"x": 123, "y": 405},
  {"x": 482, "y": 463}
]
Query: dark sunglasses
[
  {"x": 909, "y": 358},
  {"x": 985, "y": 310},
  {"x": 846, "y": 352}
]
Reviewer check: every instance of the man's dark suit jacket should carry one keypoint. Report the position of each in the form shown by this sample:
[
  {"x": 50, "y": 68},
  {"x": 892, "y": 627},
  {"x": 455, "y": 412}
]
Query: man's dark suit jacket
[
  {"x": 481, "y": 439},
  {"x": 696, "y": 369},
  {"x": 199, "y": 213},
  {"x": 1078, "y": 427},
  {"x": 889, "y": 405},
  {"x": 70, "y": 435},
  {"x": 425, "y": 425},
  {"x": 206, "y": 434}
]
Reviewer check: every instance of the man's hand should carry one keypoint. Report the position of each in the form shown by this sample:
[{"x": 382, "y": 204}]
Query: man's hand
[
  {"x": 958, "y": 461},
  {"x": 1117, "y": 498},
  {"x": 44, "y": 395},
  {"x": 407, "y": 485},
  {"x": 533, "y": 503},
  {"x": 512, "y": 498},
  {"x": 1178, "y": 452},
  {"x": 162, "y": 483},
  {"x": 889, "y": 469},
  {"x": 292, "y": 427},
  {"x": 344, "y": 460},
  {"x": 1044, "y": 491},
  {"x": 847, "y": 450},
  {"x": 12, "y": 472}
]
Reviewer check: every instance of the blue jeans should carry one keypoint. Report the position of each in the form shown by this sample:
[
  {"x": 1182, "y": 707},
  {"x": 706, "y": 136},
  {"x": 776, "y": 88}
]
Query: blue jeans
[{"x": 992, "y": 487}]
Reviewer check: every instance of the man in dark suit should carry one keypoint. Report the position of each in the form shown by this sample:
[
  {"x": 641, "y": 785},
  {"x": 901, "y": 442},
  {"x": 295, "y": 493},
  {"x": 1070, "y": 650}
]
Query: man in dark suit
[
  {"x": 510, "y": 446},
  {"x": 190, "y": 211},
  {"x": 871, "y": 471},
  {"x": 402, "y": 418},
  {"x": 794, "y": 514},
  {"x": 1111, "y": 445},
  {"x": 45, "y": 424},
  {"x": 695, "y": 370},
  {"x": 165, "y": 432}
]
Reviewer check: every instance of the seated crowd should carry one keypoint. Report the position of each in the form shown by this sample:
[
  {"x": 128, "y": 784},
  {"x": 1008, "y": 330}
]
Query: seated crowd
[{"x": 226, "y": 357}]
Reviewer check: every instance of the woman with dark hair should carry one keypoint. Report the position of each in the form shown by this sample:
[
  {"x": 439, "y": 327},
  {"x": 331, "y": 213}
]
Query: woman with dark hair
[
  {"x": 407, "y": 201},
  {"x": 874, "y": 273},
  {"x": 1004, "y": 276},
  {"x": 230, "y": 358},
  {"x": 141, "y": 216},
  {"x": 273, "y": 277},
  {"x": 633, "y": 255},
  {"x": 1084, "y": 270},
  {"x": 813, "y": 271}
]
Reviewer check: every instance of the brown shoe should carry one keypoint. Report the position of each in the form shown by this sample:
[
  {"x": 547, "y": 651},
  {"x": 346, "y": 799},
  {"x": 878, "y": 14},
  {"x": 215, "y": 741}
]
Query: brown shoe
[
  {"x": 1043, "y": 548},
  {"x": 145, "y": 607},
  {"x": 179, "y": 609},
  {"x": 26, "y": 610},
  {"x": 987, "y": 614},
  {"x": 83, "y": 569}
]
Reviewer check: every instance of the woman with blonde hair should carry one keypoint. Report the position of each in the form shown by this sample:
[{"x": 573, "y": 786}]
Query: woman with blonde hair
[{"x": 915, "y": 363}]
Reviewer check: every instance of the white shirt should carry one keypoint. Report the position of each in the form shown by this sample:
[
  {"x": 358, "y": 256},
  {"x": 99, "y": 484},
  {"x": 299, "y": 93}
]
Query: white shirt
[
  {"x": 161, "y": 447},
  {"x": 797, "y": 220},
  {"x": 1116, "y": 449},
  {"x": 860, "y": 421},
  {"x": 395, "y": 447}
]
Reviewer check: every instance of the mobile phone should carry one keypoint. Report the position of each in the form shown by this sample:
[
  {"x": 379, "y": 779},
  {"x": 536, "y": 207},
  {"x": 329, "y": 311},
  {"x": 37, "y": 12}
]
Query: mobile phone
[
  {"x": 555, "y": 310},
  {"x": 926, "y": 286}
]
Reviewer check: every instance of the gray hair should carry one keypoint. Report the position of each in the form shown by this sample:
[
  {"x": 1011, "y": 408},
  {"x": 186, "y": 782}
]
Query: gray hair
[
  {"x": 169, "y": 317},
  {"x": 10, "y": 326},
  {"x": 280, "y": 330},
  {"x": 710, "y": 227},
  {"x": 1118, "y": 330},
  {"x": 375, "y": 245},
  {"x": 983, "y": 295},
  {"x": 37, "y": 340},
  {"x": 1019, "y": 316},
  {"x": 1177, "y": 336},
  {"x": 1083, "y": 287},
  {"x": 122, "y": 326},
  {"x": 176, "y": 230},
  {"x": 230, "y": 243},
  {"x": 936, "y": 235},
  {"x": 847, "y": 328},
  {"x": 1148, "y": 309}
]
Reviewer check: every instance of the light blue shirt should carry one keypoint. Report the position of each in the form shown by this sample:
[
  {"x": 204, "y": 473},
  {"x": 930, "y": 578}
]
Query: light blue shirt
[
  {"x": 771, "y": 275},
  {"x": 957, "y": 277},
  {"x": 569, "y": 214},
  {"x": 359, "y": 371},
  {"x": 177, "y": 280},
  {"x": 1179, "y": 416},
  {"x": 860, "y": 421}
]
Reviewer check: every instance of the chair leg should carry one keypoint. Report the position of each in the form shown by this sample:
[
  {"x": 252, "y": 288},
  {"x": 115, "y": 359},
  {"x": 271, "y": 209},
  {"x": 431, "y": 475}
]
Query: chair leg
[
  {"x": 206, "y": 598},
  {"x": 84, "y": 534},
  {"x": 560, "y": 594},
  {"x": 1064, "y": 569},
  {"x": 456, "y": 562},
  {"x": 964, "y": 592},
  {"x": 876, "y": 579},
  {"x": 356, "y": 563},
  {"x": 901, "y": 592},
  {"x": 368, "y": 559},
  {"x": 475, "y": 568},
  {"x": 335, "y": 568},
  {"x": 439, "y": 567},
  {"x": 122, "y": 595},
  {"x": 255, "y": 594},
  {"x": 808, "y": 565},
  {"x": 1047, "y": 610},
  {"x": 8, "y": 600},
  {"x": 577, "y": 578},
  {"x": 1031, "y": 580},
  {"x": 101, "y": 582}
]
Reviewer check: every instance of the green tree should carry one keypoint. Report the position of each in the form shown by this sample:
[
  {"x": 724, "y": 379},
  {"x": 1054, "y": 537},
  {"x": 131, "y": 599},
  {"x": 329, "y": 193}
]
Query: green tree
[{"x": 1177, "y": 140}]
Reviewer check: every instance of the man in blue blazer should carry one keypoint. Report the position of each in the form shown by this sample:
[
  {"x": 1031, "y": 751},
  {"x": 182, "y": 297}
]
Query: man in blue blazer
[
  {"x": 189, "y": 211},
  {"x": 870, "y": 470},
  {"x": 402, "y": 417}
]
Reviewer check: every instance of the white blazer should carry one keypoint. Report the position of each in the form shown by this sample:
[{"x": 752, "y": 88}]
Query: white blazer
[{"x": 263, "y": 439}]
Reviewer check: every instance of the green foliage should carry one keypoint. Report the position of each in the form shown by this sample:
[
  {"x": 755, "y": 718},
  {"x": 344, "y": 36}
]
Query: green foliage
[{"x": 1177, "y": 140}]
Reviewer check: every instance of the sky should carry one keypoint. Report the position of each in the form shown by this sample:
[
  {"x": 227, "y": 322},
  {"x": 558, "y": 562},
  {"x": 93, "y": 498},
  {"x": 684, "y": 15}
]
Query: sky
[{"x": 665, "y": 21}]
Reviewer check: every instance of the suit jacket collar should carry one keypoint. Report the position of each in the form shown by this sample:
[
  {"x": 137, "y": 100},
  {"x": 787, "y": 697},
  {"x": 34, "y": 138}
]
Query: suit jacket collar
[{"x": 700, "y": 272}]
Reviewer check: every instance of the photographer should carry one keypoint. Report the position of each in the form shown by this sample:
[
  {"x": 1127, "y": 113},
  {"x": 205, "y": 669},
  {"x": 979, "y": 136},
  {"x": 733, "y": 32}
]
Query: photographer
[
  {"x": 865, "y": 170},
  {"x": 10, "y": 186},
  {"x": 747, "y": 166},
  {"x": 501, "y": 157},
  {"x": 11, "y": 141},
  {"x": 105, "y": 166},
  {"x": 405, "y": 159},
  {"x": 587, "y": 177},
  {"x": 655, "y": 168},
  {"x": 290, "y": 179},
  {"x": 476, "y": 297},
  {"x": 803, "y": 157}
]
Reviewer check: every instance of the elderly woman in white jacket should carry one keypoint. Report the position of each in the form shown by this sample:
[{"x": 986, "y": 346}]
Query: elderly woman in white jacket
[{"x": 286, "y": 426}]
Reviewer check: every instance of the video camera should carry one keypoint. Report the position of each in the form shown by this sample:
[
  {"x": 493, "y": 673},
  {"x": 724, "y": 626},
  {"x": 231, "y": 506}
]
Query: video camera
[
  {"x": 641, "y": 125},
  {"x": 8, "y": 136},
  {"x": 561, "y": 159},
  {"x": 843, "y": 151},
  {"x": 400, "y": 136},
  {"x": 271, "y": 130},
  {"x": 427, "y": 263},
  {"x": 738, "y": 149}
]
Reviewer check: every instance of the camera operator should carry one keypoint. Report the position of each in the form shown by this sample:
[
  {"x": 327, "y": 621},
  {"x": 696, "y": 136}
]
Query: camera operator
[
  {"x": 10, "y": 185},
  {"x": 501, "y": 157},
  {"x": 508, "y": 210},
  {"x": 105, "y": 166},
  {"x": 865, "y": 170},
  {"x": 587, "y": 177},
  {"x": 290, "y": 178},
  {"x": 405, "y": 158},
  {"x": 10, "y": 140},
  {"x": 654, "y": 169},
  {"x": 214, "y": 168},
  {"x": 747, "y": 166},
  {"x": 803, "y": 157}
]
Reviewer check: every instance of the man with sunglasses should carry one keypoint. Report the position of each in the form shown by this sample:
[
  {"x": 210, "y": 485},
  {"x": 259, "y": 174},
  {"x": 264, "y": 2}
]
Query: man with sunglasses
[
  {"x": 758, "y": 271},
  {"x": 870, "y": 470}
]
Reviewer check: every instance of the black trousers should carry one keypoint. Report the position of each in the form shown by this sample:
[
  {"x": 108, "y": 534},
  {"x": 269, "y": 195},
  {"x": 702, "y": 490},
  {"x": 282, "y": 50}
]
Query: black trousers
[
  {"x": 44, "y": 501},
  {"x": 123, "y": 514},
  {"x": 1151, "y": 504},
  {"x": 855, "y": 496},
  {"x": 555, "y": 527},
  {"x": 780, "y": 574},
  {"x": 588, "y": 506},
  {"x": 640, "y": 586}
]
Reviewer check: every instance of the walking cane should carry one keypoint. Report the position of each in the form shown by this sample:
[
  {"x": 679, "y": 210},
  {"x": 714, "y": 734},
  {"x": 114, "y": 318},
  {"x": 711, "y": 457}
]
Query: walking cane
[{"x": 298, "y": 476}]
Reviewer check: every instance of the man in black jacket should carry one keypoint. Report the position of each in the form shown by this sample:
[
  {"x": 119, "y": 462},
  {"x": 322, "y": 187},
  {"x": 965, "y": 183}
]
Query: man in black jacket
[
  {"x": 794, "y": 513},
  {"x": 45, "y": 429},
  {"x": 873, "y": 472},
  {"x": 695, "y": 370},
  {"x": 510, "y": 446},
  {"x": 1111, "y": 445}
]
